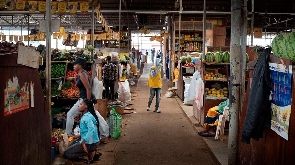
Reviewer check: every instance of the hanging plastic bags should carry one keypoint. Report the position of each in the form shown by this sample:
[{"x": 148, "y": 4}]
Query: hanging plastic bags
[
  {"x": 115, "y": 122},
  {"x": 97, "y": 88}
]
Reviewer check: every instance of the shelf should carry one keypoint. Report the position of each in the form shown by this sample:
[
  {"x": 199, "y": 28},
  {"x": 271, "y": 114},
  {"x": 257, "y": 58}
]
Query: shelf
[
  {"x": 187, "y": 51},
  {"x": 57, "y": 78},
  {"x": 215, "y": 98},
  {"x": 60, "y": 61},
  {"x": 213, "y": 63},
  {"x": 223, "y": 80}
]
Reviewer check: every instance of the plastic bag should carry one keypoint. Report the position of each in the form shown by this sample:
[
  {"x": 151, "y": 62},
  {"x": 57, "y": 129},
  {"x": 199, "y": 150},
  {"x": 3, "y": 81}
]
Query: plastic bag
[
  {"x": 115, "y": 123},
  {"x": 103, "y": 126},
  {"x": 77, "y": 130},
  {"x": 186, "y": 101},
  {"x": 125, "y": 97},
  {"x": 97, "y": 88},
  {"x": 124, "y": 87},
  {"x": 63, "y": 144}
]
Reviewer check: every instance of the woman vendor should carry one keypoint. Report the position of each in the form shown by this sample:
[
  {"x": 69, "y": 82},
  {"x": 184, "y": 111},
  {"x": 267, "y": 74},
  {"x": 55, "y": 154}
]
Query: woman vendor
[
  {"x": 211, "y": 120},
  {"x": 89, "y": 134},
  {"x": 83, "y": 83}
]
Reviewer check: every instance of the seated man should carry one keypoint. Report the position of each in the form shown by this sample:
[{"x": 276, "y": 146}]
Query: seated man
[{"x": 211, "y": 120}]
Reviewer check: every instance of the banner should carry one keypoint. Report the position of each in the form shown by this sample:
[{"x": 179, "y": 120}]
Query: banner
[
  {"x": 20, "y": 5},
  {"x": 84, "y": 7},
  {"x": 55, "y": 35},
  {"x": 42, "y": 37},
  {"x": 78, "y": 37},
  {"x": 10, "y": 38},
  {"x": 26, "y": 38},
  {"x": 88, "y": 37},
  {"x": 2, "y": 4},
  {"x": 53, "y": 7},
  {"x": 62, "y": 30},
  {"x": 73, "y": 37},
  {"x": 3, "y": 37},
  {"x": 10, "y": 5},
  {"x": 83, "y": 37},
  {"x": 15, "y": 38},
  {"x": 42, "y": 6},
  {"x": 33, "y": 6},
  {"x": 65, "y": 36},
  {"x": 281, "y": 80},
  {"x": 62, "y": 7},
  {"x": 21, "y": 38},
  {"x": 73, "y": 6}
]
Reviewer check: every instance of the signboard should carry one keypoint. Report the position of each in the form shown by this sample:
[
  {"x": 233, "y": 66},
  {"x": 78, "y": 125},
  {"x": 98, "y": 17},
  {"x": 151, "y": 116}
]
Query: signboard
[
  {"x": 16, "y": 97},
  {"x": 281, "y": 80},
  {"x": 32, "y": 6},
  {"x": 84, "y": 7},
  {"x": 73, "y": 6},
  {"x": 53, "y": 7},
  {"x": 42, "y": 6},
  {"x": 62, "y": 7}
]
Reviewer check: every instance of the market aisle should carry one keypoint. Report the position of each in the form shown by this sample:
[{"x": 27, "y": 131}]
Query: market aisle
[{"x": 150, "y": 138}]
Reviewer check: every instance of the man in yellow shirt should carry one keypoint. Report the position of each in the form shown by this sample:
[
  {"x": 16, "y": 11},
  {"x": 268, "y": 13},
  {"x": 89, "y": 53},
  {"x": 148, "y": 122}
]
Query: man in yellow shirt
[{"x": 155, "y": 84}]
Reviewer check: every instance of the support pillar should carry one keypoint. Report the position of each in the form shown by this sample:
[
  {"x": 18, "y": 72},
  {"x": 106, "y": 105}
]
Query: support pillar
[{"x": 235, "y": 80}]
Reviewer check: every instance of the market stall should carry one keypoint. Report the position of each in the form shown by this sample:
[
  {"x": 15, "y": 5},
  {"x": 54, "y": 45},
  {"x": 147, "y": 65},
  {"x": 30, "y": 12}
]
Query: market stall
[{"x": 24, "y": 109}]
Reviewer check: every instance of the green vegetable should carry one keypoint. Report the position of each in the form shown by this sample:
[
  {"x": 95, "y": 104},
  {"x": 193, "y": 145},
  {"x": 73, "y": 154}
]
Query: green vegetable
[
  {"x": 188, "y": 59},
  {"x": 283, "y": 46},
  {"x": 183, "y": 59},
  {"x": 226, "y": 57},
  {"x": 209, "y": 57},
  {"x": 58, "y": 70}
]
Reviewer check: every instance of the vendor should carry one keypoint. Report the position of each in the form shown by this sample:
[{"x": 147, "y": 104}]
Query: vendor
[
  {"x": 211, "y": 120},
  {"x": 89, "y": 134},
  {"x": 83, "y": 83}
]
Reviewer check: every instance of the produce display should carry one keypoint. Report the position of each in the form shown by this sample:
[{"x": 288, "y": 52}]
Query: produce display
[
  {"x": 54, "y": 89},
  {"x": 187, "y": 61},
  {"x": 213, "y": 92},
  {"x": 283, "y": 46},
  {"x": 189, "y": 65},
  {"x": 217, "y": 76},
  {"x": 9, "y": 47},
  {"x": 58, "y": 70},
  {"x": 219, "y": 57},
  {"x": 72, "y": 74},
  {"x": 70, "y": 90}
]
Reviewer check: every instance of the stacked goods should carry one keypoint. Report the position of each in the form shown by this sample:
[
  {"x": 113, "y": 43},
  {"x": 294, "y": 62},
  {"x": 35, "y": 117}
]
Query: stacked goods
[
  {"x": 219, "y": 57},
  {"x": 9, "y": 47},
  {"x": 58, "y": 70},
  {"x": 209, "y": 57},
  {"x": 217, "y": 93},
  {"x": 72, "y": 74},
  {"x": 226, "y": 57},
  {"x": 217, "y": 76},
  {"x": 283, "y": 46},
  {"x": 70, "y": 90},
  {"x": 187, "y": 61}
]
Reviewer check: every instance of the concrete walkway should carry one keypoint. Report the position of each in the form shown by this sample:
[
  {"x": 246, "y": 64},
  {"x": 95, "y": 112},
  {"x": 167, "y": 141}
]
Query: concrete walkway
[
  {"x": 158, "y": 139},
  {"x": 150, "y": 138}
]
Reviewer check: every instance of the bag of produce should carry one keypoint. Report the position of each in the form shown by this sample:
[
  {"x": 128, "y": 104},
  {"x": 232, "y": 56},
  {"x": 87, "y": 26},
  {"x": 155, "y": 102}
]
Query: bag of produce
[{"x": 115, "y": 122}]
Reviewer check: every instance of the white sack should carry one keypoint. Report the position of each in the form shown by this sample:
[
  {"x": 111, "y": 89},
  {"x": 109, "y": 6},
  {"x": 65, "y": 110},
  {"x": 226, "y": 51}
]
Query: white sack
[{"x": 97, "y": 88}]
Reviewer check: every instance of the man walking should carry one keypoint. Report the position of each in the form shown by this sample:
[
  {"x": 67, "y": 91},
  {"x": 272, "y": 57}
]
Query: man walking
[
  {"x": 155, "y": 84},
  {"x": 109, "y": 78}
]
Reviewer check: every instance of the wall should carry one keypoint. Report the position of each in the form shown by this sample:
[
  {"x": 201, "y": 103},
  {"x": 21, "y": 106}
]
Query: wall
[
  {"x": 26, "y": 135},
  {"x": 271, "y": 149}
]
